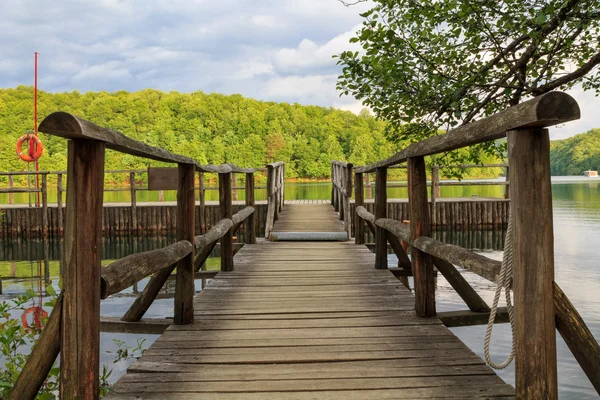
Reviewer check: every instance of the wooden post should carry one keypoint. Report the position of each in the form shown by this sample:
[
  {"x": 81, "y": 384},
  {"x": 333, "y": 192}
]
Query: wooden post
[
  {"x": 80, "y": 328},
  {"x": 381, "y": 261},
  {"x": 359, "y": 200},
  {"x": 226, "y": 212},
  {"x": 276, "y": 193},
  {"x": 282, "y": 184},
  {"x": 341, "y": 192},
  {"x": 270, "y": 193},
  {"x": 44, "y": 206},
  {"x": 184, "y": 286},
  {"x": 435, "y": 193},
  {"x": 332, "y": 184},
  {"x": 251, "y": 221},
  {"x": 11, "y": 185},
  {"x": 59, "y": 202},
  {"x": 368, "y": 185},
  {"x": 420, "y": 225},
  {"x": 134, "y": 224},
  {"x": 161, "y": 195},
  {"x": 202, "y": 193},
  {"x": 234, "y": 191},
  {"x": 347, "y": 195},
  {"x": 533, "y": 264},
  {"x": 507, "y": 186}
]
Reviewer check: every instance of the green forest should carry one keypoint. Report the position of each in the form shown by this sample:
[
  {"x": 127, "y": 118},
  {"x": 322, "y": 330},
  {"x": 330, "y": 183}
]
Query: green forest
[
  {"x": 576, "y": 154},
  {"x": 211, "y": 128}
]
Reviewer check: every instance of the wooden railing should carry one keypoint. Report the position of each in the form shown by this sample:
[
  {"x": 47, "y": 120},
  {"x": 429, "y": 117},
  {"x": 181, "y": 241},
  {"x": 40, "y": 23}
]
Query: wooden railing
[
  {"x": 73, "y": 328},
  {"x": 341, "y": 191},
  {"x": 275, "y": 194},
  {"x": 540, "y": 305},
  {"x": 342, "y": 187}
]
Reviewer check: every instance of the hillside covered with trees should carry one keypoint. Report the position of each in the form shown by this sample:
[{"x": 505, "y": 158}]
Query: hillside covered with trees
[
  {"x": 211, "y": 128},
  {"x": 576, "y": 154}
]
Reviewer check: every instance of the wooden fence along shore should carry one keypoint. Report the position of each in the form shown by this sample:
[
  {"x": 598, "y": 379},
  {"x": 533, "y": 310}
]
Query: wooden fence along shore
[
  {"x": 144, "y": 218},
  {"x": 308, "y": 319}
]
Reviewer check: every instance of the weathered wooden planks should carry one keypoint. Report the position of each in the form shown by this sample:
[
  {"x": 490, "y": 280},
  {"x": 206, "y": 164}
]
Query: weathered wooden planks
[{"x": 307, "y": 320}]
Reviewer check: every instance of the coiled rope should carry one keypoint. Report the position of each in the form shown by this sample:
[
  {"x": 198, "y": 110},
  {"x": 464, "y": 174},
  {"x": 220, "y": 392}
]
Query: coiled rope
[{"x": 504, "y": 281}]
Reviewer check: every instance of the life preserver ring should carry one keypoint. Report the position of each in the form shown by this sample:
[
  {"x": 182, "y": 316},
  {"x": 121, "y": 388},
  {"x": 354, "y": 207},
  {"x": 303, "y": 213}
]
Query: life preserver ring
[
  {"x": 38, "y": 313},
  {"x": 30, "y": 156}
]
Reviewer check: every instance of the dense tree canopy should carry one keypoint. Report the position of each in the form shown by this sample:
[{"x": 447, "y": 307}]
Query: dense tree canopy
[
  {"x": 441, "y": 63},
  {"x": 210, "y": 128},
  {"x": 576, "y": 154}
]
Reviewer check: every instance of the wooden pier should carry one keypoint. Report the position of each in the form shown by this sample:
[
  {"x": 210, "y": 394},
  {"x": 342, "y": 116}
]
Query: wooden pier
[{"x": 306, "y": 320}]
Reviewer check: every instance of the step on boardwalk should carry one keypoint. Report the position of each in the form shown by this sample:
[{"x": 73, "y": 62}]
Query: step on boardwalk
[{"x": 302, "y": 320}]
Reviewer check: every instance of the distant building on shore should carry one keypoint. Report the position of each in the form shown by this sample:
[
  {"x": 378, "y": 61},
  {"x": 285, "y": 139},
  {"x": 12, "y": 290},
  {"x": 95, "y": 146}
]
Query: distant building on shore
[{"x": 591, "y": 174}]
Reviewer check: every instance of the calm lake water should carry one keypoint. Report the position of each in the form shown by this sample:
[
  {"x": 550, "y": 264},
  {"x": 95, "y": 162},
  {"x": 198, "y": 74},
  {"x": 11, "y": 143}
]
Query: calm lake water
[{"x": 576, "y": 204}]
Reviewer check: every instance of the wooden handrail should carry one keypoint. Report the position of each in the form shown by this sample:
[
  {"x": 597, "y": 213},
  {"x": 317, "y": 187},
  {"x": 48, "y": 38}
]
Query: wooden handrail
[
  {"x": 476, "y": 263},
  {"x": 546, "y": 110},
  {"x": 125, "y": 272},
  {"x": 70, "y": 126}
]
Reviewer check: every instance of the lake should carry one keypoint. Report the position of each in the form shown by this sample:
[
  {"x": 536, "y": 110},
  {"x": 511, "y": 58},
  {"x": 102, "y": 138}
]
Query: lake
[{"x": 576, "y": 207}]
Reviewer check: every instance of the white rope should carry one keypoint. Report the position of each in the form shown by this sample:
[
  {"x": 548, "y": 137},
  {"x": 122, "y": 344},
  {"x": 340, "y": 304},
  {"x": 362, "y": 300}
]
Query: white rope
[{"x": 504, "y": 281}]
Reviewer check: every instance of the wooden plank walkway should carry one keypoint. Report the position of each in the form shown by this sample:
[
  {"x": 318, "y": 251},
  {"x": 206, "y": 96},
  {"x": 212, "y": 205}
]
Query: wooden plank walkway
[
  {"x": 302, "y": 320},
  {"x": 308, "y": 217}
]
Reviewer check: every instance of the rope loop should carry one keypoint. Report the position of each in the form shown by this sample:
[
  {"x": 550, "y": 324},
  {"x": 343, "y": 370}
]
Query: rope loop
[{"x": 504, "y": 281}]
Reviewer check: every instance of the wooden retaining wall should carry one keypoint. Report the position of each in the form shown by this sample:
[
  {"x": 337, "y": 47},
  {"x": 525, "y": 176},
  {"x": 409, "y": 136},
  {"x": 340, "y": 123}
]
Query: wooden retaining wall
[
  {"x": 451, "y": 214},
  {"x": 152, "y": 219},
  {"x": 159, "y": 219}
]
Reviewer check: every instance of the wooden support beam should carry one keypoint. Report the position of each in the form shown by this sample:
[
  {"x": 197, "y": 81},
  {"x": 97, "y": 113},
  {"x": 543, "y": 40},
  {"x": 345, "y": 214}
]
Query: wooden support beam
[
  {"x": 226, "y": 212},
  {"x": 134, "y": 223},
  {"x": 452, "y": 319},
  {"x": 359, "y": 201},
  {"x": 202, "y": 196},
  {"x": 80, "y": 333},
  {"x": 577, "y": 336},
  {"x": 129, "y": 270},
  {"x": 533, "y": 265},
  {"x": 146, "y": 326},
  {"x": 461, "y": 286},
  {"x": 435, "y": 193},
  {"x": 381, "y": 261},
  {"x": 45, "y": 206},
  {"x": 420, "y": 225},
  {"x": 59, "y": 203},
  {"x": 186, "y": 206},
  {"x": 42, "y": 357},
  {"x": 251, "y": 221}
]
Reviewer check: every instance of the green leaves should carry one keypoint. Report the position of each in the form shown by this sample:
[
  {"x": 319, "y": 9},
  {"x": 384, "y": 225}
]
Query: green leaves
[{"x": 445, "y": 63}]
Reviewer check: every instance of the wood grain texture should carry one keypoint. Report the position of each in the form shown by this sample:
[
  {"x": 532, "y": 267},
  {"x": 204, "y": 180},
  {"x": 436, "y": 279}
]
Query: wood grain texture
[
  {"x": 251, "y": 222},
  {"x": 131, "y": 269},
  {"x": 577, "y": 336},
  {"x": 359, "y": 197},
  {"x": 546, "y": 110},
  {"x": 225, "y": 204},
  {"x": 381, "y": 261},
  {"x": 41, "y": 359},
  {"x": 533, "y": 265},
  {"x": 308, "y": 320},
  {"x": 420, "y": 225},
  {"x": 184, "y": 287},
  {"x": 80, "y": 327}
]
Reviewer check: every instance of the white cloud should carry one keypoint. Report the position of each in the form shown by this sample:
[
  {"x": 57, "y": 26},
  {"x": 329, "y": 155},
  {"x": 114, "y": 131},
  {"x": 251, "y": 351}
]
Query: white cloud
[
  {"x": 276, "y": 50},
  {"x": 309, "y": 54}
]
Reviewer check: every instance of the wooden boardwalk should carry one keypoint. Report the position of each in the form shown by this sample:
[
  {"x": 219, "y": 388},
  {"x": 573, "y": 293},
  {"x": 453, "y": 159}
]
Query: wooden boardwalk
[{"x": 302, "y": 320}]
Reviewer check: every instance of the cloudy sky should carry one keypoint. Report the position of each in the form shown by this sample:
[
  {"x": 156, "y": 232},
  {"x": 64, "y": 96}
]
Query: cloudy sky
[{"x": 277, "y": 50}]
